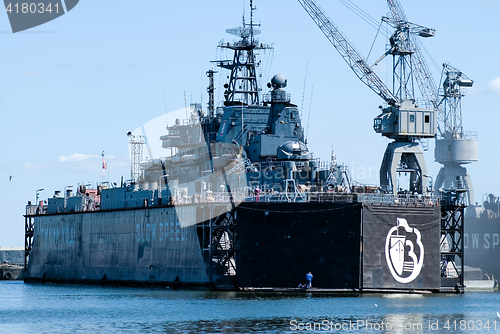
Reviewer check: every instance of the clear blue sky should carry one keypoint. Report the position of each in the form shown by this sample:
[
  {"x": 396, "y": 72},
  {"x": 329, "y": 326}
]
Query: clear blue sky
[{"x": 73, "y": 87}]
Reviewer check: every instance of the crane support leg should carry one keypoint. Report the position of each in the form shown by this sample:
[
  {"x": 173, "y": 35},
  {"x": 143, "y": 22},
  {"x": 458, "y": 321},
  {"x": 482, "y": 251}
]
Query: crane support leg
[
  {"x": 402, "y": 156},
  {"x": 454, "y": 176}
]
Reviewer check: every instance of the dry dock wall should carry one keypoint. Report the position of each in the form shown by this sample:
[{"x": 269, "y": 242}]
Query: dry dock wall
[{"x": 144, "y": 245}]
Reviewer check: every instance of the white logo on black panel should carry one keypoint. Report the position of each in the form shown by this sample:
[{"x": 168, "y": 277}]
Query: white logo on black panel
[{"x": 404, "y": 251}]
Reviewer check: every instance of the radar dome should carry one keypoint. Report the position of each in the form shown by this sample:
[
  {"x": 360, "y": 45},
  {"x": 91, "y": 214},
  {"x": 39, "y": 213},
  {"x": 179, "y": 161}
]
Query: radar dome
[
  {"x": 293, "y": 150},
  {"x": 279, "y": 81}
]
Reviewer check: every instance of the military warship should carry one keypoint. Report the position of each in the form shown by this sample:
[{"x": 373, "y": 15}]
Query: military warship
[{"x": 239, "y": 202}]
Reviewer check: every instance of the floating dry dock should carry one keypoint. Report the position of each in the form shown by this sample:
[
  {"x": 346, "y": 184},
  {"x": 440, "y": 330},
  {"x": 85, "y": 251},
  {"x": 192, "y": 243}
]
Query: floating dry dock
[{"x": 346, "y": 241}]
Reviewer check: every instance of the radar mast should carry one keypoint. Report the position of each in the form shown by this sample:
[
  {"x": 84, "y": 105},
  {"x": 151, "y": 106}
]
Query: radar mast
[{"x": 242, "y": 87}]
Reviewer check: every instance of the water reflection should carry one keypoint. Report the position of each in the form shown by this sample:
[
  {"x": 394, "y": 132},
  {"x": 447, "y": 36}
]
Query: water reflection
[{"x": 63, "y": 309}]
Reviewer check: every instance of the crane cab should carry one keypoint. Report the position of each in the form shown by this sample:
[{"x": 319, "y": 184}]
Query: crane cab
[{"x": 406, "y": 121}]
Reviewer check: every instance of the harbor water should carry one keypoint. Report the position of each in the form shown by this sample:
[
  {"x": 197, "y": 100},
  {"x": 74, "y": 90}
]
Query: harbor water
[{"x": 36, "y": 308}]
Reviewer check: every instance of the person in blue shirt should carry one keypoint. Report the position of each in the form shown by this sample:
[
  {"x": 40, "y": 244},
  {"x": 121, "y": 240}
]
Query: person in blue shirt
[{"x": 309, "y": 278}]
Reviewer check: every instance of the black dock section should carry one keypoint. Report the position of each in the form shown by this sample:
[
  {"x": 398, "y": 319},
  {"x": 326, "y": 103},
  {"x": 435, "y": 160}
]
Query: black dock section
[
  {"x": 279, "y": 243},
  {"x": 417, "y": 243},
  {"x": 357, "y": 246}
]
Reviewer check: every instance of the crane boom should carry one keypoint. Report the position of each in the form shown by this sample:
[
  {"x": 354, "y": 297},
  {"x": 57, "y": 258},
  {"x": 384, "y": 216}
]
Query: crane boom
[
  {"x": 352, "y": 57},
  {"x": 423, "y": 76},
  {"x": 396, "y": 10}
]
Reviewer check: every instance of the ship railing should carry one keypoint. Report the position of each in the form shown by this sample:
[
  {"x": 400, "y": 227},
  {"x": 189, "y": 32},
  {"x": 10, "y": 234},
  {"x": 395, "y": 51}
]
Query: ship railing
[
  {"x": 302, "y": 197},
  {"x": 266, "y": 98},
  {"x": 237, "y": 197},
  {"x": 273, "y": 164},
  {"x": 211, "y": 197},
  {"x": 423, "y": 103},
  {"x": 402, "y": 199},
  {"x": 32, "y": 210},
  {"x": 466, "y": 135},
  {"x": 343, "y": 198},
  {"x": 470, "y": 135},
  {"x": 331, "y": 197}
]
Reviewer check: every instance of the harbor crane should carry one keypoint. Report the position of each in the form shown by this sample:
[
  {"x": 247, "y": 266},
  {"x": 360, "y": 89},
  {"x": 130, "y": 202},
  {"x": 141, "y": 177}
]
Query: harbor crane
[
  {"x": 453, "y": 146},
  {"x": 402, "y": 120}
]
